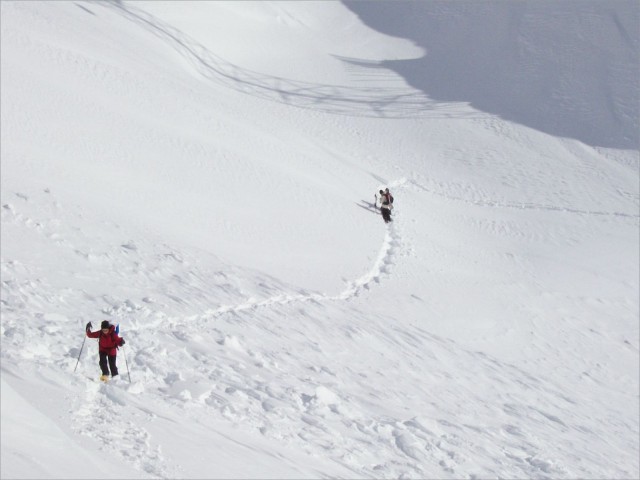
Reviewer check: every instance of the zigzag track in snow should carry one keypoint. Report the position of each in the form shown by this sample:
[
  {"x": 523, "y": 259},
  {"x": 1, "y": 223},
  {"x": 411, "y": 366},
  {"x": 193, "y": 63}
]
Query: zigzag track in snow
[{"x": 382, "y": 267}]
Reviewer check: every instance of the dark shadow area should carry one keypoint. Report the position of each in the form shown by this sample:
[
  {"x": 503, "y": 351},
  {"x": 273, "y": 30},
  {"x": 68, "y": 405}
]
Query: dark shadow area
[
  {"x": 85, "y": 9},
  {"x": 566, "y": 68},
  {"x": 368, "y": 206}
]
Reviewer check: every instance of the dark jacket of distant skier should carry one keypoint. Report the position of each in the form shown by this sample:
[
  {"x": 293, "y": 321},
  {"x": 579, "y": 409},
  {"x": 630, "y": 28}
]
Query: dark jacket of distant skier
[{"x": 108, "y": 343}]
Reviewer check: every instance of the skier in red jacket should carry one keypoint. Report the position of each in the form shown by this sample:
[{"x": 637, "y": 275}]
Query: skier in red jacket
[{"x": 108, "y": 344}]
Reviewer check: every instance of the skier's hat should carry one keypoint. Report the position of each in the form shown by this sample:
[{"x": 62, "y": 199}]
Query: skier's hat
[{"x": 105, "y": 324}]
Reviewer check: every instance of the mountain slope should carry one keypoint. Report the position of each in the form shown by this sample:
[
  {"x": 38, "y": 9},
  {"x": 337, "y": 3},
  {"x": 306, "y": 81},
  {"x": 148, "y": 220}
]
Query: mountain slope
[{"x": 203, "y": 176}]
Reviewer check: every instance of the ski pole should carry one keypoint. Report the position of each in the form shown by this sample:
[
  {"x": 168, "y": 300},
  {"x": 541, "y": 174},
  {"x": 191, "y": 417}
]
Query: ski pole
[
  {"x": 84, "y": 340},
  {"x": 126, "y": 363}
]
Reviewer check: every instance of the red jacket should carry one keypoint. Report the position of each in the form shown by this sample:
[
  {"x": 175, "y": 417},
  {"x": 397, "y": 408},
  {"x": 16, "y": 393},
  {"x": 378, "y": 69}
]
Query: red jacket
[{"x": 108, "y": 342}]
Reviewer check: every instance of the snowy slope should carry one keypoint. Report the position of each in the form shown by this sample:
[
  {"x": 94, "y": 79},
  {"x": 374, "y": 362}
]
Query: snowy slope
[{"x": 202, "y": 173}]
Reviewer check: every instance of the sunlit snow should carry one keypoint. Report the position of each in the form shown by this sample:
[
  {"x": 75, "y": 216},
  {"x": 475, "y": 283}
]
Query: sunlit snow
[{"x": 203, "y": 174}]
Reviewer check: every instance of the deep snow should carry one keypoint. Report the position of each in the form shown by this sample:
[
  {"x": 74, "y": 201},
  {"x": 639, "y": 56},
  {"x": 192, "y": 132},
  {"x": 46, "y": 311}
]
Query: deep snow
[{"x": 203, "y": 173}]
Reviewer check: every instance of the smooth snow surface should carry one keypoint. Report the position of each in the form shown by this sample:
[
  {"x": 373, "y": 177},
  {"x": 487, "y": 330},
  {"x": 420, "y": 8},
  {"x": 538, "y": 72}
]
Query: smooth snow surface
[{"x": 203, "y": 174}]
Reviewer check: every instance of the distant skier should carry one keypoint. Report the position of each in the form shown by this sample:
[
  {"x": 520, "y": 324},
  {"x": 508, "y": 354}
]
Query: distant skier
[
  {"x": 385, "y": 205},
  {"x": 108, "y": 344}
]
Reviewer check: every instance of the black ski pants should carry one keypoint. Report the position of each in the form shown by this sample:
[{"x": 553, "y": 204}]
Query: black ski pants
[
  {"x": 386, "y": 214},
  {"x": 104, "y": 357}
]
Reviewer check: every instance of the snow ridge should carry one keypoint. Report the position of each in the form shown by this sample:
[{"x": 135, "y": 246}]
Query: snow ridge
[{"x": 379, "y": 101}]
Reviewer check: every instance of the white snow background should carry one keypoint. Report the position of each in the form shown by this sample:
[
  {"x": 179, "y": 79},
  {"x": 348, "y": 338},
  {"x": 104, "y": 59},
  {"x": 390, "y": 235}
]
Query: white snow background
[{"x": 203, "y": 173}]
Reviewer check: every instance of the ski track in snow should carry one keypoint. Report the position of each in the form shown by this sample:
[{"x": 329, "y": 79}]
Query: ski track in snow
[
  {"x": 98, "y": 416},
  {"x": 525, "y": 205},
  {"x": 392, "y": 245}
]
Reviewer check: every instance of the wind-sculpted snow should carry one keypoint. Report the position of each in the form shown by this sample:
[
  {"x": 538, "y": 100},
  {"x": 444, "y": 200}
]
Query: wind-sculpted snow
[
  {"x": 386, "y": 102},
  {"x": 276, "y": 327}
]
